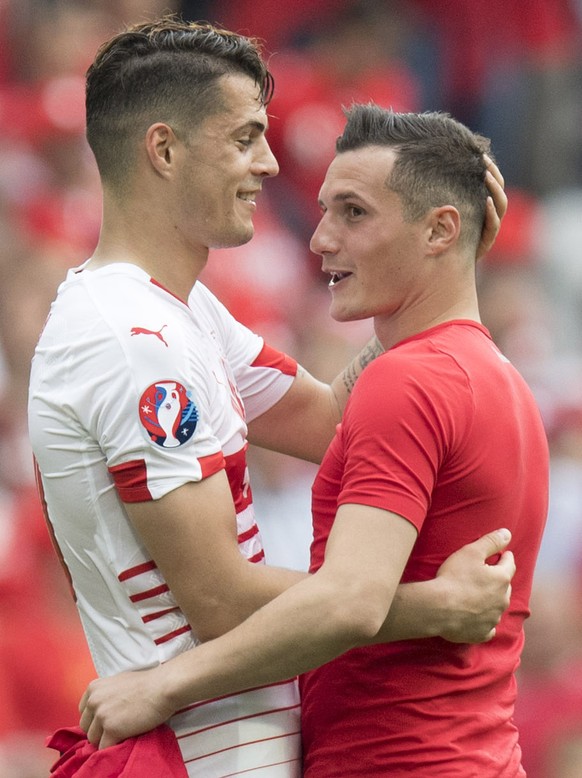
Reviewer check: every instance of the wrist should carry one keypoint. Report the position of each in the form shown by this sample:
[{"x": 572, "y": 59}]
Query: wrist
[
  {"x": 169, "y": 686},
  {"x": 440, "y": 615}
]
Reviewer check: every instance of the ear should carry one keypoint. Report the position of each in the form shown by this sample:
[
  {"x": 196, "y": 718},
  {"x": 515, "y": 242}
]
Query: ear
[
  {"x": 444, "y": 229},
  {"x": 160, "y": 144}
]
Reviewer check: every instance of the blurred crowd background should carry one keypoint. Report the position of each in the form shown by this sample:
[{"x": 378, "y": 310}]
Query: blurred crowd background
[{"x": 510, "y": 69}]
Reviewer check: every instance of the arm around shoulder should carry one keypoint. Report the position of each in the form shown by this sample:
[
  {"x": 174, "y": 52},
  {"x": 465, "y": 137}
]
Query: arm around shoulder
[{"x": 303, "y": 422}]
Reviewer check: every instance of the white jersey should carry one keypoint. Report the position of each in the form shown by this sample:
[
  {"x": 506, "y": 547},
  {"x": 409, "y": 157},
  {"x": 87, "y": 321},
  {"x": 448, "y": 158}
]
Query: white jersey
[{"x": 134, "y": 393}]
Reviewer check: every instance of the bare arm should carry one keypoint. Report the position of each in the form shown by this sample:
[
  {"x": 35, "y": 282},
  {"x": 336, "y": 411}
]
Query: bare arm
[
  {"x": 303, "y": 422},
  {"x": 192, "y": 536},
  {"x": 191, "y": 533},
  {"x": 341, "y": 606},
  {"x": 464, "y": 603}
]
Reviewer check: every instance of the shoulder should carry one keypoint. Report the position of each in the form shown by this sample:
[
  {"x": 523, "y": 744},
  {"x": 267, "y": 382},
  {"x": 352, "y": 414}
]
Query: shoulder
[
  {"x": 407, "y": 381},
  {"x": 203, "y": 302},
  {"x": 403, "y": 366}
]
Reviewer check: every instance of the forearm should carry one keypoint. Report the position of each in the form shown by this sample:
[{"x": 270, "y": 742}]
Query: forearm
[
  {"x": 342, "y": 606},
  {"x": 191, "y": 533},
  {"x": 259, "y": 586},
  {"x": 418, "y": 610},
  {"x": 294, "y": 633},
  {"x": 301, "y": 630}
]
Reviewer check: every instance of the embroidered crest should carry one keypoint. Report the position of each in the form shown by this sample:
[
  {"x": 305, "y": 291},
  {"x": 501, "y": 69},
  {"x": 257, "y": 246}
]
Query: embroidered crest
[{"x": 168, "y": 413}]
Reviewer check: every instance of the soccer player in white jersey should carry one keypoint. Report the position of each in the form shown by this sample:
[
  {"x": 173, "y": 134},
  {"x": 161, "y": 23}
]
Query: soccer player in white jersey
[{"x": 144, "y": 392}]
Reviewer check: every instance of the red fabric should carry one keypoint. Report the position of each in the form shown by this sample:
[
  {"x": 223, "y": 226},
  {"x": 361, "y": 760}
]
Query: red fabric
[
  {"x": 155, "y": 754},
  {"x": 270, "y": 357},
  {"x": 442, "y": 431},
  {"x": 131, "y": 481}
]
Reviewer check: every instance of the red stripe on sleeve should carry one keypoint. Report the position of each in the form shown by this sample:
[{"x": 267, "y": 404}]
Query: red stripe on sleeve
[
  {"x": 131, "y": 478},
  {"x": 131, "y": 481},
  {"x": 270, "y": 357},
  {"x": 211, "y": 464}
]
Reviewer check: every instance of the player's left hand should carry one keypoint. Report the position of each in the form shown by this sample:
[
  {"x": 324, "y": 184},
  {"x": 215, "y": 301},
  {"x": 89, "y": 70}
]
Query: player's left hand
[{"x": 496, "y": 207}]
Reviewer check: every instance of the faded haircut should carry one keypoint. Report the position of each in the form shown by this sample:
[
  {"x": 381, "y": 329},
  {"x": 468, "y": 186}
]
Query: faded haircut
[
  {"x": 164, "y": 71},
  {"x": 439, "y": 161}
]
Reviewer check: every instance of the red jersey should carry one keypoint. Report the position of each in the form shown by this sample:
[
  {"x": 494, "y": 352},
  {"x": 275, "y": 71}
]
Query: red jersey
[{"x": 443, "y": 431}]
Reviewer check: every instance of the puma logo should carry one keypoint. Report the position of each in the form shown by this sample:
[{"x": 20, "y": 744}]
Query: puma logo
[{"x": 144, "y": 331}]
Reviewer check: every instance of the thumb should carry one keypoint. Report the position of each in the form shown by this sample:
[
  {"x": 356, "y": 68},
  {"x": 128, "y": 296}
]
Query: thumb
[{"x": 492, "y": 543}]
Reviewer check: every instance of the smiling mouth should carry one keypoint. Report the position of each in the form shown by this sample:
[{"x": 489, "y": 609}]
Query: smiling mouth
[
  {"x": 336, "y": 278},
  {"x": 248, "y": 197}
]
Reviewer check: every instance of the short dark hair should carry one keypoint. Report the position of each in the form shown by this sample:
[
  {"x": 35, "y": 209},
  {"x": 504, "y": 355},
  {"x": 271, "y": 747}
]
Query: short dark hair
[
  {"x": 439, "y": 161},
  {"x": 162, "y": 71}
]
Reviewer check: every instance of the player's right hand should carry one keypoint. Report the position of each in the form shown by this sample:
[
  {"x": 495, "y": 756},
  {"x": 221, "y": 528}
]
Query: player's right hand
[
  {"x": 115, "y": 708},
  {"x": 478, "y": 592}
]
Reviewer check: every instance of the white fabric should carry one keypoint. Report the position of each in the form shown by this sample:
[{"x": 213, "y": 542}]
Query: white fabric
[{"x": 114, "y": 344}]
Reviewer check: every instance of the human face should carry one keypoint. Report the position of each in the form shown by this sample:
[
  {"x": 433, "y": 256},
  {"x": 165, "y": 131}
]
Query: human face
[
  {"x": 373, "y": 256},
  {"x": 224, "y": 163}
]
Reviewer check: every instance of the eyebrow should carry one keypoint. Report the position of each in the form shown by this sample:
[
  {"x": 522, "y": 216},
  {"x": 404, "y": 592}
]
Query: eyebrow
[
  {"x": 341, "y": 197},
  {"x": 252, "y": 125}
]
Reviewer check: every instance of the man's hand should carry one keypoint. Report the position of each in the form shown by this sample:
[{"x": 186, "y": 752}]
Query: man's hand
[
  {"x": 113, "y": 709},
  {"x": 477, "y": 593},
  {"x": 496, "y": 207}
]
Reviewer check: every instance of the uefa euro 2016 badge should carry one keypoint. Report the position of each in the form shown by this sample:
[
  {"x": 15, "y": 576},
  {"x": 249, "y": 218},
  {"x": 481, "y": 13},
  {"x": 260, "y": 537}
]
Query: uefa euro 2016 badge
[{"x": 168, "y": 413}]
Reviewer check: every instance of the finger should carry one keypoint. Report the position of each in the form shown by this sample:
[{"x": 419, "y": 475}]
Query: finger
[
  {"x": 497, "y": 193},
  {"x": 85, "y": 698},
  {"x": 108, "y": 740},
  {"x": 494, "y": 170},
  {"x": 490, "y": 635},
  {"x": 481, "y": 637},
  {"x": 492, "y": 543},
  {"x": 492, "y": 215},
  {"x": 496, "y": 206},
  {"x": 493, "y": 220},
  {"x": 507, "y": 563},
  {"x": 95, "y": 733},
  {"x": 86, "y": 719}
]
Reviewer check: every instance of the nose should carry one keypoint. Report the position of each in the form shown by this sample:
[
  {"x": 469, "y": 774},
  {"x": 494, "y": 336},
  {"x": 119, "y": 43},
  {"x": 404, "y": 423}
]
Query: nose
[
  {"x": 265, "y": 162},
  {"x": 322, "y": 241}
]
